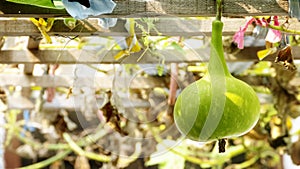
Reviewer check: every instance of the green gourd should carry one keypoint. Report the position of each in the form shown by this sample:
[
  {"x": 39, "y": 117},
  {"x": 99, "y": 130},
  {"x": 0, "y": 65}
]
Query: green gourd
[{"x": 218, "y": 105}]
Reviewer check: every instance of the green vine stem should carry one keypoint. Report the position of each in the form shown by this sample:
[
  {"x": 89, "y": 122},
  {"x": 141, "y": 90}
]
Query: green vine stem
[
  {"x": 81, "y": 152},
  {"x": 219, "y": 10},
  {"x": 281, "y": 28},
  {"x": 87, "y": 140},
  {"x": 248, "y": 163},
  {"x": 49, "y": 161}
]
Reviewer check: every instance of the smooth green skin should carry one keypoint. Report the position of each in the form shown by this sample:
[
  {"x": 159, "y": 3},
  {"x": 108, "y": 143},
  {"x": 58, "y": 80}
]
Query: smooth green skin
[
  {"x": 241, "y": 111},
  {"x": 232, "y": 111}
]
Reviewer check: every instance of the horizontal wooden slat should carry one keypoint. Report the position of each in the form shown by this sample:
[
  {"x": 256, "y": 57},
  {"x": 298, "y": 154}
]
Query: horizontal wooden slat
[
  {"x": 73, "y": 103},
  {"x": 88, "y": 81},
  {"x": 74, "y": 56},
  {"x": 105, "y": 82},
  {"x": 76, "y": 101},
  {"x": 165, "y": 26},
  {"x": 134, "y": 8}
]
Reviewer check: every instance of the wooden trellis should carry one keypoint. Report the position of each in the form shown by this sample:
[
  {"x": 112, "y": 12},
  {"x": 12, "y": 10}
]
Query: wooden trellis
[
  {"x": 182, "y": 8},
  {"x": 176, "y": 18},
  {"x": 171, "y": 22}
]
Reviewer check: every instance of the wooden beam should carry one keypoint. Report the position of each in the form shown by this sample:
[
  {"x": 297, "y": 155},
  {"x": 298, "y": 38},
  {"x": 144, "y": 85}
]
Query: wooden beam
[
  {"x": 184, "y": 8},
  {"x": 74, "y": 56},
  {"x": 74, "y": 103},
  {"x": 32, "y": 44},
  {"x": 90, "y": 27},
  {"x": 95, "y": 82}
]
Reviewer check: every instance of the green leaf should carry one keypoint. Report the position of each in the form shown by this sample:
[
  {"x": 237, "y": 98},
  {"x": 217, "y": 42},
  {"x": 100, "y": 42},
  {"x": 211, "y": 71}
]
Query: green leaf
[
  {"x": 39, "y": 3},
  {"x": 177, "y": 47},
  {"x": 70, "y": 22},
  {"x": 160, "y": 69},
  {"x": 58, "y": 4}
]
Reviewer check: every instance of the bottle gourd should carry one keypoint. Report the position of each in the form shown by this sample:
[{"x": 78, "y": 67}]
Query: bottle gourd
[{"x": 218, "y": 105}]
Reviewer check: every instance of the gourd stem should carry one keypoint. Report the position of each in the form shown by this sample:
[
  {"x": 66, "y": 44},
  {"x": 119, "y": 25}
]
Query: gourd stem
[
  {"x": 219, "y": 10},
  {"x": 222, "y": 144},
  {"x": 217, "y": 59}
]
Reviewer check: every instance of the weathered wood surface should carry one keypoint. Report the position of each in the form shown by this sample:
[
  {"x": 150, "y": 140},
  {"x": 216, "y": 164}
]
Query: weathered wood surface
[
  {"x": 76, "y": 101},
  {"x": 165, "y": 26},
  {"x": 71, "y": 104},
  {"x": 74, "y": 56},
  {"x": 140, "y": 8},
  {"x": 95, "y": 82}
]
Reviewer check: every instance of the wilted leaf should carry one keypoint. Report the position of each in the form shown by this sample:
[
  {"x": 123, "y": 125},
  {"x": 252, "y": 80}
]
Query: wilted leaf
[
  {"x": 295, "y": 153},
  {"x": 285, "y": 58}
]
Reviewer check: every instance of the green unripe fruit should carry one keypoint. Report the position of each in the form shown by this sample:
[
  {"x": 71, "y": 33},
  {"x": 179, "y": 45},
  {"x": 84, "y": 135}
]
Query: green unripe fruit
[
  {"x": 240, "y": 112},
  {"x": 218, "y": 105}
]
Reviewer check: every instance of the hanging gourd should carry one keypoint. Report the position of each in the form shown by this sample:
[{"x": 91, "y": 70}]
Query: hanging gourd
[{"x": 218, "y": 105}]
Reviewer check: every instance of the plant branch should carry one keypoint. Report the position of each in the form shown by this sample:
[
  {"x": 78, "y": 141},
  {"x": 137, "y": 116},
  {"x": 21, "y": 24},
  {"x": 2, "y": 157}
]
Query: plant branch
[
  {"x": 81, "y": 152},
  {"x": 281, "y": 28},
  {"x": 49, "y": 161},
  {"x": 247, "y": 163},
  {"x": 87, "y": 140}
]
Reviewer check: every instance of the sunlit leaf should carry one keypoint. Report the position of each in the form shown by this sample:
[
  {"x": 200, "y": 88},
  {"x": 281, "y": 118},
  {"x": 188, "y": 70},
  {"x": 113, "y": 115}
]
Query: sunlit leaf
[
  {"x": 39, "y": 3},
  {"x": 44, "y": 27},
  {"x": 266, "y": 52},
  {"x": 49, "y": 24},
  {"x": 121, "y": 54},
  {"x": 133, "y": 44}
]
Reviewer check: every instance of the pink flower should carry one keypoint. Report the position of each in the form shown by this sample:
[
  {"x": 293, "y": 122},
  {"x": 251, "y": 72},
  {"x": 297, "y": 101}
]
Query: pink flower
[
  {"x": 274, "y": 36},
  {"x": 238, "y": 37}
]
